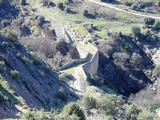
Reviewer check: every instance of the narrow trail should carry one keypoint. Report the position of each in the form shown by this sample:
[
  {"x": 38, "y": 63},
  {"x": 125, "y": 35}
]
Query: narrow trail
[
  {"x": 80, "y": 83},
  {"x": 124, "y": 10}
]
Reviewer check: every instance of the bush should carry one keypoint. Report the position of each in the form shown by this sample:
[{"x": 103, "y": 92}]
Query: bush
[
  {"x": 85, "y": 13},
  {"x": 72, "y": 108},
  {"x": 2, "y": 66},
  {"x": 37, "y": 115},
  {"x": 5, "y": 22},
  {"x": 62, "y": 94},
  {"x": 147, "y": 115},
  {"x": 11, "y": 36},
  {"x": 128, "y": 3},
  {"x": 157, "y": 25},
  {"x": 134, "y": 7},
  {"x": 108, "y": 105},
  {"x": 89, "y": 102},
  {"x": 60, "y": 5},
  {"x": 131, "y": 111},
  {"x": 14, "y": 74},
  {"x": 149, "y": 22},
  {"x": 67, "y": 9},
  {"x": 22, "y": 2},
  {"x": 136, "y": 30},
  {"x": 2, "y": 98},
  {"x": 62, "y": 47},
  {"x": 41, "y": 20},
  {"x": 136, "y": 59}
]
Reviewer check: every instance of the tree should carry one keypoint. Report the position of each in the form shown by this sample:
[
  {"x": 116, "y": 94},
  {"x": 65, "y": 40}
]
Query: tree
[
  {"x": 89, "y": 102},
  {"x": 134, "y": 7},
  {"x": 72, "y": 108},
  {"x": 67, "y": 9},
  {"x": 132, "y": 111},
  {"x": 136, "y": 59},
  {"x": 22, "y": 2},
  {"x": 149, "y": 22},
  {"x": 136, "y": 31},
  {"x": 40, "y": 20},
  {"x": 62, "y": 47},
  {"x": 157, "y": 25},
  {"x": 60, "y": 5},
  {"x": 85, "y": 13}
]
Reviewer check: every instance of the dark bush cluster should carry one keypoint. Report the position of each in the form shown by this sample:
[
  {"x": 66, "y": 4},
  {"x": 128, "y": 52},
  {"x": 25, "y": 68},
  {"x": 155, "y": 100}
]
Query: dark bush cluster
[
  {"x": 60, "y": 5},
  {"x": 22, "y": 2},
  {"x": 41, "y": 20},
  {"x": 62, "y": 94},
  {"x": 73, "y": 109}
]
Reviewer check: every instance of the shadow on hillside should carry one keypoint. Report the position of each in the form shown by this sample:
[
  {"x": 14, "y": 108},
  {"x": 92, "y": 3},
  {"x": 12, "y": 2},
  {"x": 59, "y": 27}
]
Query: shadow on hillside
[
  {"x": 90, "y": 16},
  {"x": 122, "y": 81},
  {"x": 5, "y": 107},
  {"x": 113, "y": 2},
  {"x": 8, "y": 12},
  {"x": 73, "y": 12},
  {"x": 36, "y": 83}
]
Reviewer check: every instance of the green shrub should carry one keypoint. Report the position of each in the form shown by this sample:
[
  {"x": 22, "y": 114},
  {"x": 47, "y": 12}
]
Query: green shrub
[
  {"x": 128, "y": 3},
  {"x": 149, "y": 22},
  {"x": 5, "y": 44},
  {"x": 136, "y": 30},
  {"x": 89, "y": 102},
  {"x": 157, "y": 25},
  {"x": 5, "y": 22},
  {"x": 37, "y": 115},
  {"x": 11, "y": 36},
  {"x": 147, "y": 115},
  {"x": 85, "y": 13},
  {"x": 62, "y": 94},
  {"x": 2, "y": 98},
  {"x": 136, "y": 59},
  {"x": 25, "y": 59},
  {"x": 2, "y": 66},
  {"x": 131, "y": 111},
  {"x": 60, "y": 5},
  {"x": 61, "y": 44},
  {"x": 41, "y": 20},
  {"x": 67, "y": 9},
  {"x": 62, "y": 77},
  {"x": 14, "y": 74},
  {"x": 108, "y": 105},
  {"x": 72, "y": 108},
  {"x": 22, "y": 2},
  {"x": 134, "y": 7}
]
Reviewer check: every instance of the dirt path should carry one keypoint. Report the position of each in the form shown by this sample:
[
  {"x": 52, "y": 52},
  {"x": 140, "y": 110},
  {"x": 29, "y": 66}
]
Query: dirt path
[{"x": 124, "y": 10}]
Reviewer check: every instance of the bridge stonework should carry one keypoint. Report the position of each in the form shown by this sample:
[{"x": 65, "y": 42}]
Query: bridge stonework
[{"x": 91, "y": 67}]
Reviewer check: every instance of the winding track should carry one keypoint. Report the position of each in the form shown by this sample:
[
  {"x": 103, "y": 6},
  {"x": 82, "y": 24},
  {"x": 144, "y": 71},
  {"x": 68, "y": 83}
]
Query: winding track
[{"x": 124, "y": 10}]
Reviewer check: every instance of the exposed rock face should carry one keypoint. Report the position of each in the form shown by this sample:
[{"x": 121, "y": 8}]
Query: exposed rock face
[
  {"x": 92, "y": 67},
  {"x": 37, "y": 85}
]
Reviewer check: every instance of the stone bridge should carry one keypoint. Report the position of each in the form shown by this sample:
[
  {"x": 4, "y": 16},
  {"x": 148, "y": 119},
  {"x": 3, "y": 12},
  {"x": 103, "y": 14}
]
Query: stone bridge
[{"x": 88, "y": 62}]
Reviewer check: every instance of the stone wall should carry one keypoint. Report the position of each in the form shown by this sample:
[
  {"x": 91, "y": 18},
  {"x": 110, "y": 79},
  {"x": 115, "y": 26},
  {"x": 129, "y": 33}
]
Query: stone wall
[
  {"x": 73, "y": 63},
  {"x": 92, "y": 66}
]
